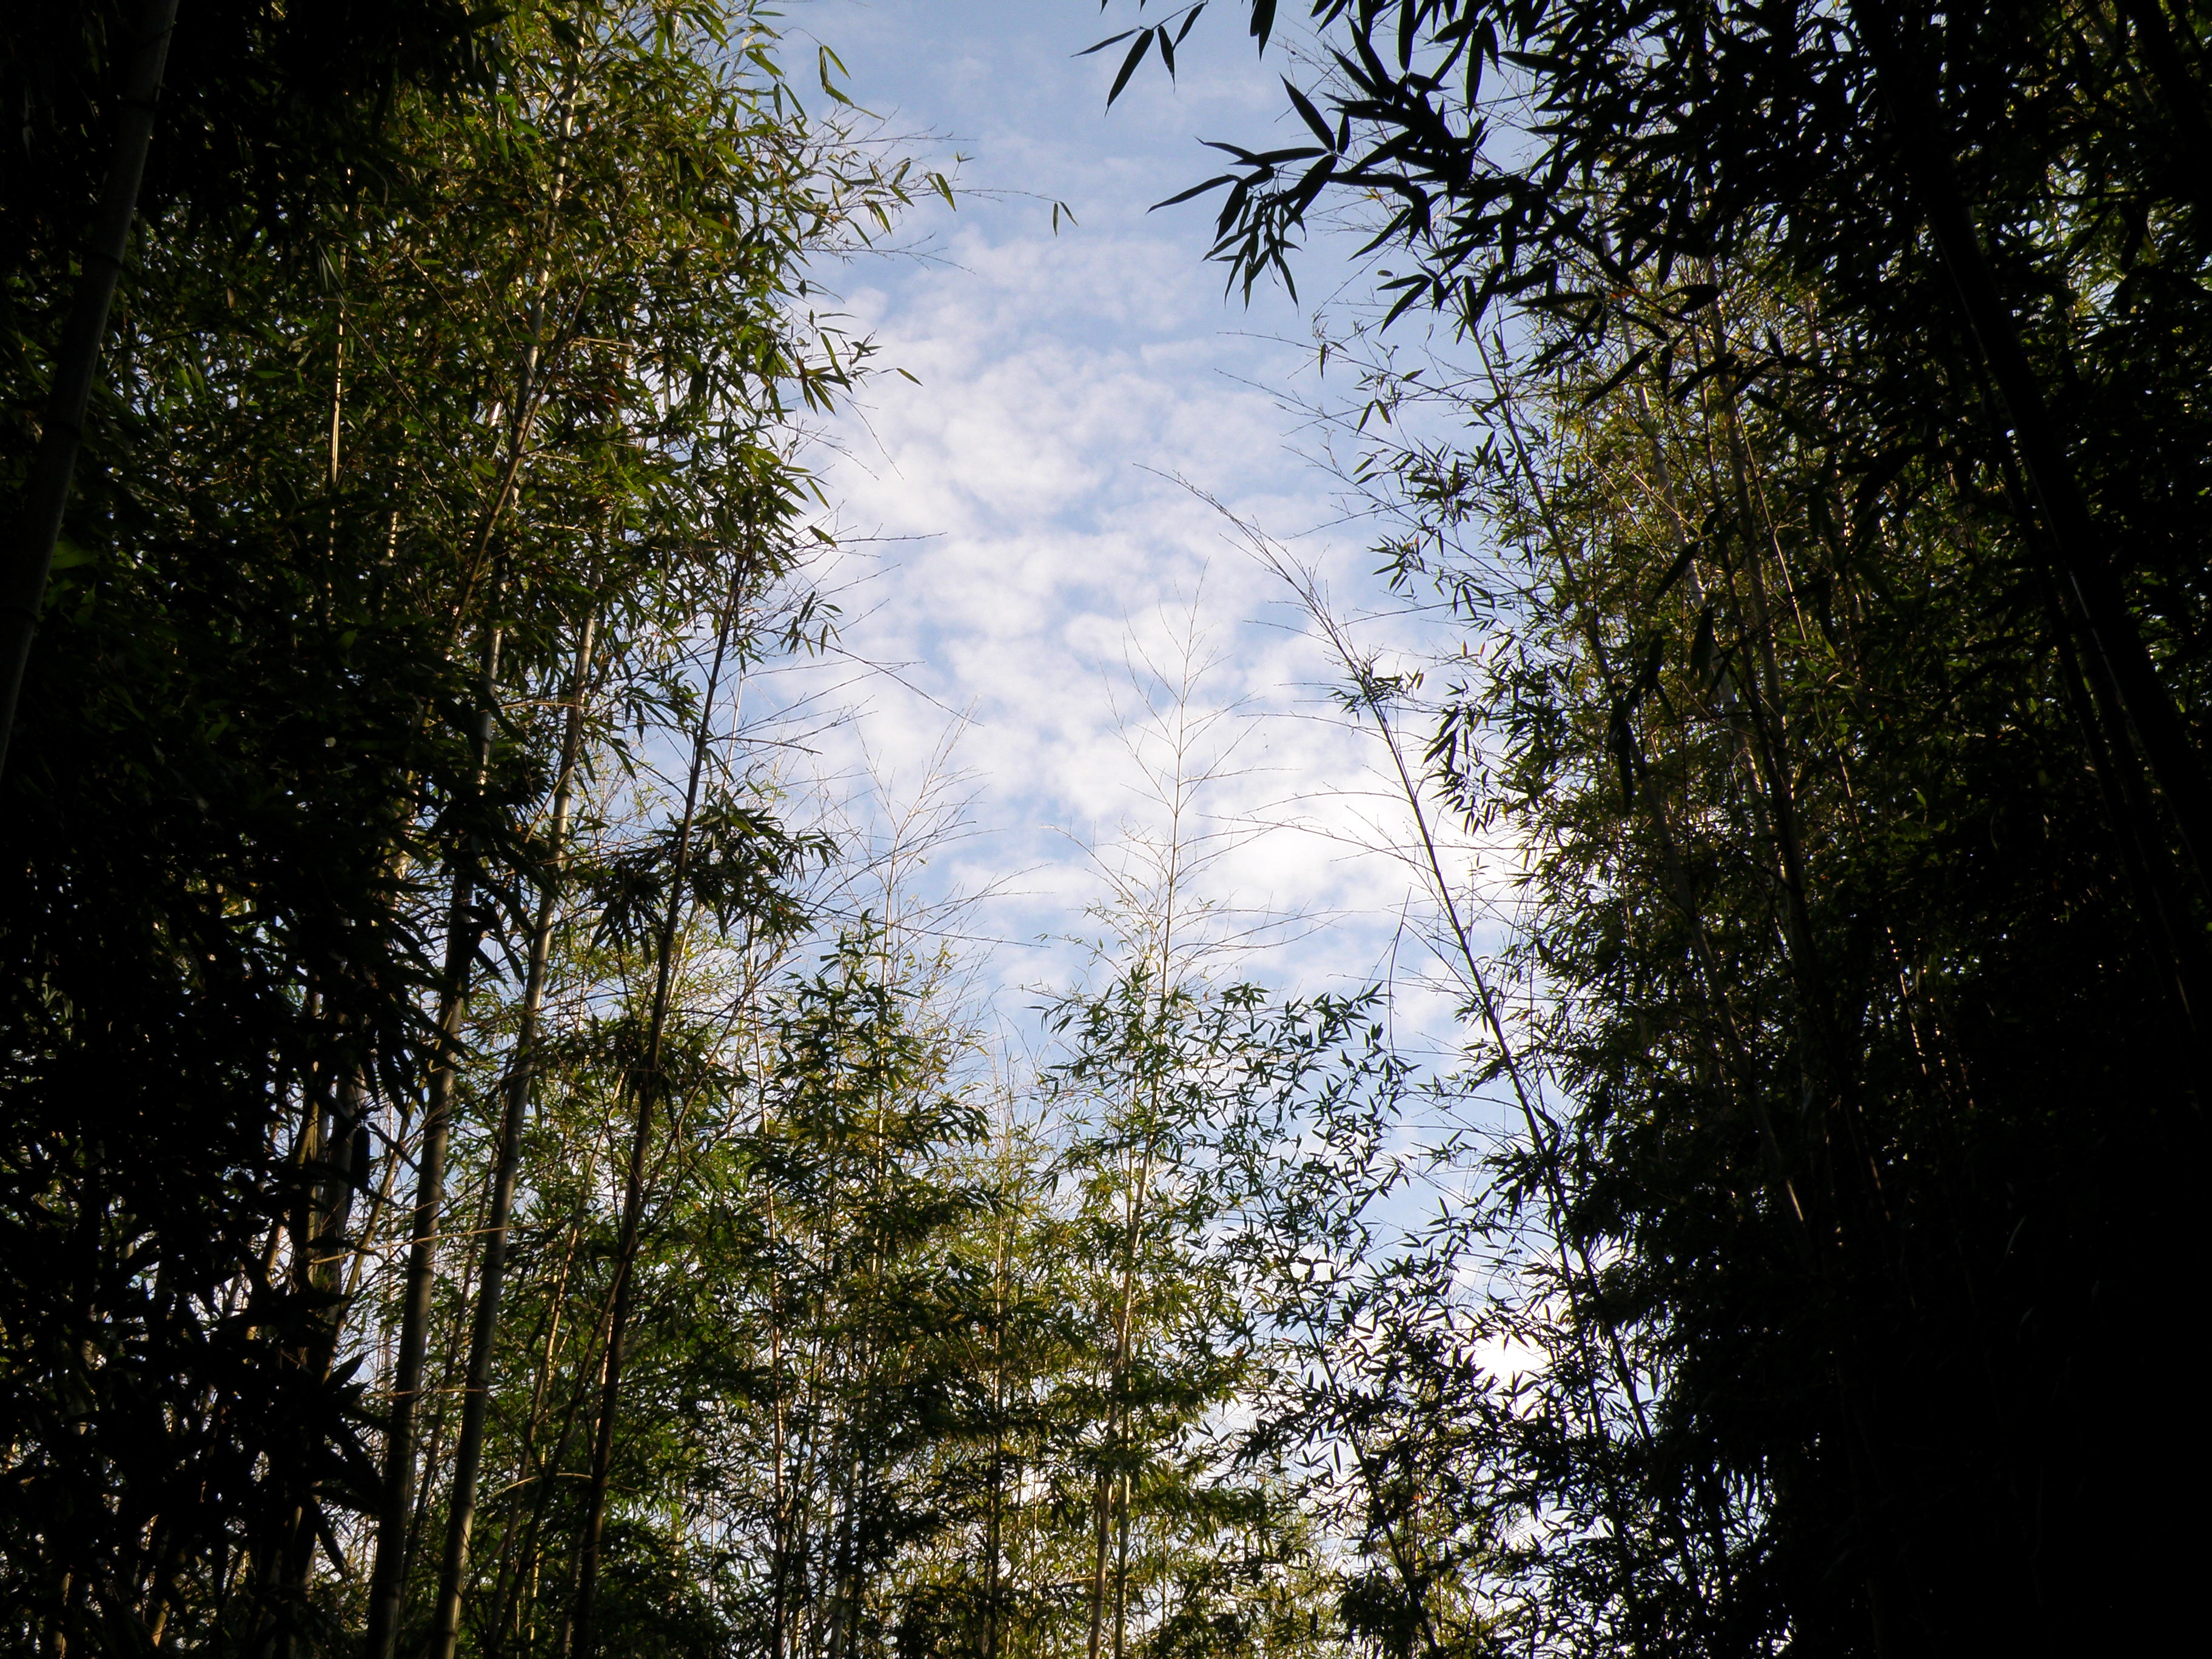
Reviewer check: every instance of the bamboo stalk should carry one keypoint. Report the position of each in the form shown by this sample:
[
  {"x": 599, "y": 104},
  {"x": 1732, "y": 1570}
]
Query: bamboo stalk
[
  {"x": 2109, "y": 634},
  {"x": 646, "y": 1089},
  {"x": 54, "y": 466},
  {"x": 468, "y": 1452},
  {"x": 387, "y": 1587}
]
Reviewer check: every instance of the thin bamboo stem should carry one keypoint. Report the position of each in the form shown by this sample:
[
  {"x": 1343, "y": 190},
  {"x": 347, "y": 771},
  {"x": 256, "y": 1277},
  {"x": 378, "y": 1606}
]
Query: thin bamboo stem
[{"x": 445, "y": 1634}]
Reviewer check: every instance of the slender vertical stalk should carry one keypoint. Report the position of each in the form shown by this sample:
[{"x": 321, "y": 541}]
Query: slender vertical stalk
[
  {"x": 337, "y": 410},
  {"x": 994, "y": 1541},
  {"x": 507, "y": 1595},
  {"x": 528, "y": 1463},
  {"x": 468, "y": 1453},
  {"x": 2085, "y": 567},
  {"x": 645, "y": 1088},
  {"x": 54, "y": 466},
  {"x": 388, "y": 1581},
  {"x": 780, "y": 1493},
  {"x": 1117, "y": 1382},
  {"x": 331, "y": 1170},
  {"x": 2185, "y": 99},
  {"x": 1543, "y": 1132},
  {"x": 1780, "y": 1180},
  {"x": 1121, "y": 1571}
]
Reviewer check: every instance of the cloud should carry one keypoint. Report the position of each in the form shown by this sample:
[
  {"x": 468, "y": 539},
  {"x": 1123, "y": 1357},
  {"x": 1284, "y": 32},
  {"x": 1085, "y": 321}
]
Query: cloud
[{"x": 1015, "y": 536}]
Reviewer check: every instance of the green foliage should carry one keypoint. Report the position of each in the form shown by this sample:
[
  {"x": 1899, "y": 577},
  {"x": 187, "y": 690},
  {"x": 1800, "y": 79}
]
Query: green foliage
[
  {"x": 1824, "y": 1299},
  {"x": 1850, "y": 996},
  {"x": 358, "y": 441},
  {"x": 1828, "y": 539}
]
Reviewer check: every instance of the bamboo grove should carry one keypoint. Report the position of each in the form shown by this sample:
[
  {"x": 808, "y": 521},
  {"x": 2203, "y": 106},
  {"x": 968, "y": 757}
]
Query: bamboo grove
[
  {"x": 492, "y": 1168},
  {"x": 485, "y": 1171},
  {"x": 1808, "y": 444}
]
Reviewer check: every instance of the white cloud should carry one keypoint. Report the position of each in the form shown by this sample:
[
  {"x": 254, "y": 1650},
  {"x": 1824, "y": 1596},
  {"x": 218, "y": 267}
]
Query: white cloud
[{"x": 1012, "y": 530}]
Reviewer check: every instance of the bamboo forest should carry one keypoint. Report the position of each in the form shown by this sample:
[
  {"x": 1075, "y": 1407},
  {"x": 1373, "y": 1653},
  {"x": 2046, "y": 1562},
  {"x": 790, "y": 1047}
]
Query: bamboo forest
[{"x": 502, "y": 1160}]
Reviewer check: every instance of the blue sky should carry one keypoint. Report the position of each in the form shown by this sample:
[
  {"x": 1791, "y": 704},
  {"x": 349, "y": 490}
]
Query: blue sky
[{"x": 1022, "y": 565}]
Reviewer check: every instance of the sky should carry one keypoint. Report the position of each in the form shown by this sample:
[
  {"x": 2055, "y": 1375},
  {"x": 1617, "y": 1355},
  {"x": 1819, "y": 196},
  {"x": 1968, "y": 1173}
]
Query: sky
[{"x": 1029, "y": 558}]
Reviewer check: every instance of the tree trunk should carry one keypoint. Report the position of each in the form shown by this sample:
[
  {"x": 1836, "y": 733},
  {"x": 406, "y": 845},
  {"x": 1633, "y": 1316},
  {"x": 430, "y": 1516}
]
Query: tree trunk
[{"x": 46, "y": 492}]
